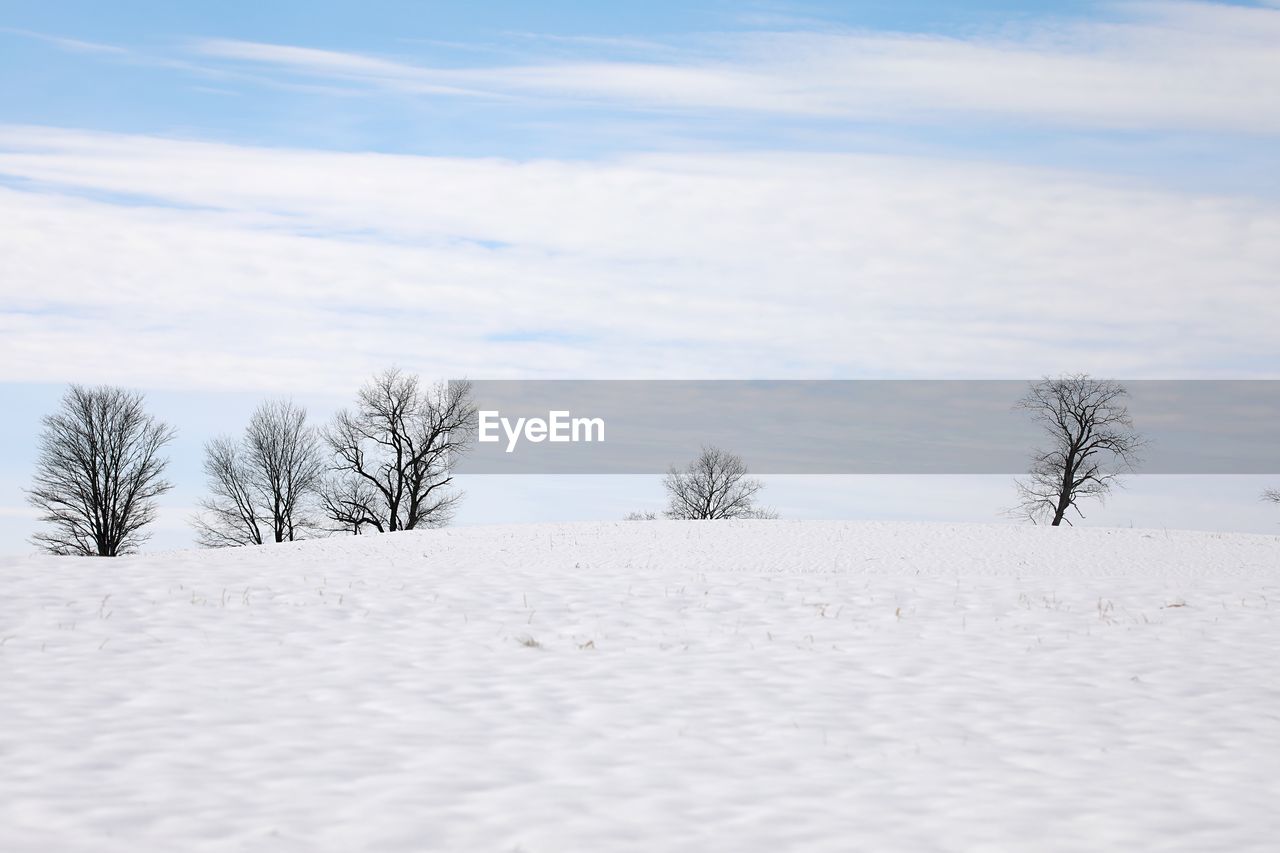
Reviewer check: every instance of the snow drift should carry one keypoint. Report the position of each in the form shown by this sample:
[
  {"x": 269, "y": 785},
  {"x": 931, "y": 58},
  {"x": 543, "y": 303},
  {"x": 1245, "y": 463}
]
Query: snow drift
[{"x": 649, "y": 686}]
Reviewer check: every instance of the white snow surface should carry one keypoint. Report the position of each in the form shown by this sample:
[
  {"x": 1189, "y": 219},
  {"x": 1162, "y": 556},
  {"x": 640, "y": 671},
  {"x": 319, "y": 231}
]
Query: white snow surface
[{"x": 649, "y": 686}]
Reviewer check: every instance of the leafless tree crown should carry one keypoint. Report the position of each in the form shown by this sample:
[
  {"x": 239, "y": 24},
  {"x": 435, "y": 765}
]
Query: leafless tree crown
[
  {"x": 713, "y": 486},
  {"x": 393, "y": 454},
  {"x": 1272, "y": 495},
  {"x": 264, "y": 487},
  {"x": 98, "y": 473},
  {"x": 1091, "y": 443}
]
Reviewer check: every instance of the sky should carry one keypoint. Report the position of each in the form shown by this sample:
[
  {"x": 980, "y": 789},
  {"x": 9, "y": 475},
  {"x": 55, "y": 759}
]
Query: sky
[{"x": 216, "y": 203}]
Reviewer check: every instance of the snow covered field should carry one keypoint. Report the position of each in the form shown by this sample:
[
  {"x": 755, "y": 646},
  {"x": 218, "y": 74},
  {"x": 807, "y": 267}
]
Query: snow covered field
[{"x": 649, "y": 686}]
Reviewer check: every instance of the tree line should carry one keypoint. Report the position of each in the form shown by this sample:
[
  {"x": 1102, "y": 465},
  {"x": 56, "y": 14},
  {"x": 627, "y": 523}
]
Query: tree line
[{"x": 386, "y": 464}]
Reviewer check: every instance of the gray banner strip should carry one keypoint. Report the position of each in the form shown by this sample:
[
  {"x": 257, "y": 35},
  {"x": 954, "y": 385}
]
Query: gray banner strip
[{"x": 849, "y": 426}]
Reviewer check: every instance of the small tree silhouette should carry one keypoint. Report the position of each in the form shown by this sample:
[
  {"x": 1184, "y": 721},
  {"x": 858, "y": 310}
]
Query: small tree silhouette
[
  {"x": 98, "y": 473},
  {"x": 1092, "y": 442},
  {"x": 713, "y": 486}
]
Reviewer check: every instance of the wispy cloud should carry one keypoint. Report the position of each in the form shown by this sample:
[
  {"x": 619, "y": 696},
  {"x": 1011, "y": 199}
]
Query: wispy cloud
[
  {"x": 68, "y": 44},
  {"x": 163, "y": 262},
  {"x": 1202, "y": 66},
  {"x": 341, "y": 66}
]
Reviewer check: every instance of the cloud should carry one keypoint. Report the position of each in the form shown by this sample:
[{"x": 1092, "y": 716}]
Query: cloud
[
  {"x": 1162, "y": 65},
  {"x": 171, "y": 263},
  {"x": 337, "y": 65},
  {"x": 67, "y": 44}
]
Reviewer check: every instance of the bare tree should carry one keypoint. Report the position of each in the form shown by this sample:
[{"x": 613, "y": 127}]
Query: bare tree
[
  {"x": 1272, "y": 495},
  {"x": 713, "y": 486},
  {"x": 393, "y": 454},
  {"x": 1092, "y": 442},
  {"x": 99, "y": 472},
  {"x": 263, "y": 487}
]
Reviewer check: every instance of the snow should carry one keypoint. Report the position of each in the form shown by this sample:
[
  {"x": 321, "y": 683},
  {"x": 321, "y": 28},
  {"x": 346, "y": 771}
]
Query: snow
[{"x": 649, "y": 686}]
